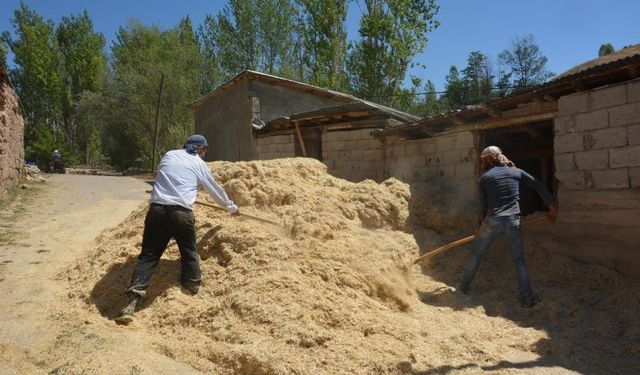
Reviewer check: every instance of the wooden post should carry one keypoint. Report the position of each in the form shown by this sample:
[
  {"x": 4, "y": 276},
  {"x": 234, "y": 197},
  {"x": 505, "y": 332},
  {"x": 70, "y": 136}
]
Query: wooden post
[{"x": 304, "y": 150}]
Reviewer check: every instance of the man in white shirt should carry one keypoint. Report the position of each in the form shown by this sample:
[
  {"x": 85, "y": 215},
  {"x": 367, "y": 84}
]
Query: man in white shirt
[{"x": 170, "y": 215}]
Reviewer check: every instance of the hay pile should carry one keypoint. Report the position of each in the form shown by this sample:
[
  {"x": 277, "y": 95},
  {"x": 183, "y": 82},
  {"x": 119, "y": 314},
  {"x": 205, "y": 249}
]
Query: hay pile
[{"x": 331, "y": 290}]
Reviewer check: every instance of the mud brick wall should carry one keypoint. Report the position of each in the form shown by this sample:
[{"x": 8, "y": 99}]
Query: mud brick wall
[
  {"x": 597, "y": 158},
  {"x": 354, "y": 155},
  {"x": 11, "y": 135},
  {"x": 274, "y": 147}
]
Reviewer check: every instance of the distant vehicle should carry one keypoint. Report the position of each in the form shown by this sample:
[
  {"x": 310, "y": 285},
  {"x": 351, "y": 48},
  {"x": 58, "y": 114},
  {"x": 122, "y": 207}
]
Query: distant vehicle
[{"x": 56, "y": 163}]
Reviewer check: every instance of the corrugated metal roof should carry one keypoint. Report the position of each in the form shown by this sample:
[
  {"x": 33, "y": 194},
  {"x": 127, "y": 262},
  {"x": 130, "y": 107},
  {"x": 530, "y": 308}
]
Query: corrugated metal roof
[
  {"x": 601, "y": 64},
  {"x": 348, "y": 99},
  {"x": 251, "y": 74}
]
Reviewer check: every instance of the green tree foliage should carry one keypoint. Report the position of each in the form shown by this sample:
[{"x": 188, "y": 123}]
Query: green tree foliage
[
  {"x": 527, "y": 65},
  {"x": 325, "y": 42},
  {"x": 392, "y": 32},
  {"x": 92, "y": 118},
  {"x": 248, "y": 34},
  {"x": 3, "y": 54},
  {"x": 433, "y": 105},
  {"x": 83, "y": 67},
  {"x": 606, "y": 49},
  {"x": 477, "y": 79},
  {"x": 37, "y": 77},
  {"x": 141, "y": 55},
  {"x": 453, "y": 97}
]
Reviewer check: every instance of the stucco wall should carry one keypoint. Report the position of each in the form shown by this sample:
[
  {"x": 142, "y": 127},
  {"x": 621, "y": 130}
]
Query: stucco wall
[
  {"x": 597, "y": 157},
  {"x": 11, "y": 135},
  {"x": 225, "y": 120},
  {"x": 354, "y": 155}
]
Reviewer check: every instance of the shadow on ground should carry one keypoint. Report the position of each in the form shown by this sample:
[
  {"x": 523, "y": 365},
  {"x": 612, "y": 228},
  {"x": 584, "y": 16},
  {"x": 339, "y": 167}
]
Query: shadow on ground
[{"x": 589, "y": 312}]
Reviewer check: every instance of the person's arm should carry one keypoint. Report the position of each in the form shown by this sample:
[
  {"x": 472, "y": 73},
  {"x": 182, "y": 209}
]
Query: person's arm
[
  {"x": 205, "y": 178},
  {"x": 549, "y": 201}
]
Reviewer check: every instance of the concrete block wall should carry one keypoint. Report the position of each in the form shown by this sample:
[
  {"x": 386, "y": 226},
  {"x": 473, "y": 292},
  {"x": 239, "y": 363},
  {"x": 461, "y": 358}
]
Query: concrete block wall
[
  {"x": 354, "y": 155},
  {"x": 275, "y": 147},
  {"x": 448, "y": 159},
  {"x": 597, "y": 138},
  {"x": 11, "y": 136},
  {"x": 597, "y": 159}
]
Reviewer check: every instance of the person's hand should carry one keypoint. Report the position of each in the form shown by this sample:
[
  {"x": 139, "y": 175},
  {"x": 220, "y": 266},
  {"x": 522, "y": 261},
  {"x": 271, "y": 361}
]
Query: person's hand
[
  {"x": 237, "y": 213},
  {"x": 552, "y": 214}
]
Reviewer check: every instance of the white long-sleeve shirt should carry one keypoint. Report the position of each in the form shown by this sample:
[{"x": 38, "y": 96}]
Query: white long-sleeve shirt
[{"x": 178, "y": 178}]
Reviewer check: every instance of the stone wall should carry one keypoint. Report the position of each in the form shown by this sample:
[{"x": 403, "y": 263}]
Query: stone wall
[
  {"x": 354, "y": 155},
  {"x": 275, "y": 147},
  {"x": 597, "y": 158},
  {"x": 11, "y": 135}
]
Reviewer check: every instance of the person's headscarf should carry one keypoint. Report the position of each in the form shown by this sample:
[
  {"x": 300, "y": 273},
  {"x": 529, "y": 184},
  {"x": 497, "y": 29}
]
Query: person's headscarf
[{"x": 195, "y": 141}]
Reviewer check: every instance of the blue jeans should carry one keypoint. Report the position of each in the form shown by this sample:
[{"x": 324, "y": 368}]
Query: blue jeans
[{"x": 491, "y": 227}]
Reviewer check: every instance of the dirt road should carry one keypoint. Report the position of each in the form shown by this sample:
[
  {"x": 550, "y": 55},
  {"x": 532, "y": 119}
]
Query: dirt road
[{"x": 42, "y": 232}]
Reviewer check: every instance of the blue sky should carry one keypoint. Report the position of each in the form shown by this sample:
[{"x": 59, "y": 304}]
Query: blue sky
[{"x": 568, "y": 32}]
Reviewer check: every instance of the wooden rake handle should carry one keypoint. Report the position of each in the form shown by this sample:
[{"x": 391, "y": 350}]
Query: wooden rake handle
[
  {"x": 241, "y": 214},
  {"x": 465, "y": 240},
  {"x": 224, "y": 209}
]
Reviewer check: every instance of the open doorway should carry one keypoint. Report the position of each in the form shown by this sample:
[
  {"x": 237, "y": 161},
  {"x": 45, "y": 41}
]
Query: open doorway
[
  {"x": 530, "y": 147},
  {"x": 312, "y": 138}
]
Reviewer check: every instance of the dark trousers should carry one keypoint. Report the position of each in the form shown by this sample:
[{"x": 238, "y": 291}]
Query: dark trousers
[{"x": 160, "y": 225}]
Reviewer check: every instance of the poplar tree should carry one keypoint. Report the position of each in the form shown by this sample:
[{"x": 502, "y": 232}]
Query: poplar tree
[{"x": 392, "y": 33}]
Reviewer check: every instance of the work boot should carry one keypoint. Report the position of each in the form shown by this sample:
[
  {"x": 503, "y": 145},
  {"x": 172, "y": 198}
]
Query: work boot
[
  {"x": 191, "y": 287},
  {"x": 126, "y": 315},
  {"x": 464, "y": 289},
  {"x": 529, "y": 302}
]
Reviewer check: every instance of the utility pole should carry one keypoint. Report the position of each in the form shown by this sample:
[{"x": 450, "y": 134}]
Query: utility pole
[{"x": 155, "y": 131}]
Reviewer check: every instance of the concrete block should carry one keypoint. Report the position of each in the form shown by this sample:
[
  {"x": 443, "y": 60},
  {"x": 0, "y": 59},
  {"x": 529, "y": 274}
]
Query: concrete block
[
  {"x": 592, "y": 120},
  {"x": 445, "y": 143},
  {"x": 446, "y": 171},
  {"x": 357, "y": 155},
  {"x": 624, "y": 114},
  {"x": 606, "y": 138},
  {"x": 428, "y": 146},
  {"x": 417, "y": 160},
  {"x": 450, "y": 157},
  {"x": 609, "y": 96},
  {"x": 338, "y": 145},
  {"x": 634, "y": 134},
  {"x": 565, "y": 162},
  {"x": 464, "y": 140},
  {"x": 569, "y": 143},
  {"x": 389, "y": 152},
  {"x": 611, "y": 178},
  {"x": 465, "y": 170},
  {"x": 337, "y": 136},
  {"x": 564, "y": 125},
  {"x": 624, "y": 157},
  {"x": 572, "y": 104},
  {"x": 634, "y": 177},
  {"x": 591, "y": 160},
  {"x": 572, "y": 180},
  {"x": 633, "y": 91},
  {"x": 412, "y": 149}
]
